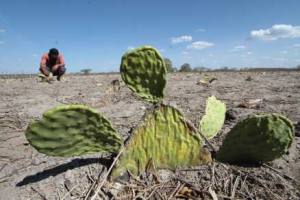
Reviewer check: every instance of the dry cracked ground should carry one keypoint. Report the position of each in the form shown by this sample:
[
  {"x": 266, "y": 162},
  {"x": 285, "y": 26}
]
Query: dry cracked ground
[{"x": 27, "y": 174}]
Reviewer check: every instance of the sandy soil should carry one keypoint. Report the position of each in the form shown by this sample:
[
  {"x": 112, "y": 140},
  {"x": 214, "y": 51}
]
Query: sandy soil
[{"x": 27, "y": 174}]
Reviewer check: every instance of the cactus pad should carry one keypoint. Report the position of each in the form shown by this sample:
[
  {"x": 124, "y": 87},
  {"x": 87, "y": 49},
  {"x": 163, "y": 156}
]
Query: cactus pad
[
  {"x": 259, "y": 138},
  {"x": 144, "y": 72},
  {"x": 164, "y": 138},
  {"x": 72, "y": 130},
  {"x": 213, "y": 120}
]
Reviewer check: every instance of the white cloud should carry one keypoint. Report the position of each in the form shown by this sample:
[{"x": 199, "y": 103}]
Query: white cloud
[
  {"x": 199, "y": 45},
  {"x": 34, "y": 55},
  {"x": 200, "y": 30},
  {"x": 162, "y": 50},
  {"x": 279, "y": 59},
  {"x": 296, "y": 45},
  {"x": 185, "y": 53},
  {"x": 245, "y": 55},
  {"x": 277, "y": 31},
  {"x": 2, "y": 30},
  {"x": 130, "y": 48},
  {"x": 297, "y": 60},
  {"x": 183, "y": 38},
  {"x": 284, "y": 52},
  {"x": 238, "y": 48}
]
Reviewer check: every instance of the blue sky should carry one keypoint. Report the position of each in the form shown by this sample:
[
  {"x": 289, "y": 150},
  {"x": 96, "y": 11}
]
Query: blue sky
[{"x": 95, "y": 34}]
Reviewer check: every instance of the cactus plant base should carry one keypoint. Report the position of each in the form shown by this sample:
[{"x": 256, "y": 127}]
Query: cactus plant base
[
  {"x": 257, "y": 139},
  {"x": 165, "y": 138}
]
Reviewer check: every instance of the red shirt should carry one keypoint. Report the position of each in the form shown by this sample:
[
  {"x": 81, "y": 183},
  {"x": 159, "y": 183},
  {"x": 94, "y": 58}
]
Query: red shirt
[{"x": 46, "y": 61}]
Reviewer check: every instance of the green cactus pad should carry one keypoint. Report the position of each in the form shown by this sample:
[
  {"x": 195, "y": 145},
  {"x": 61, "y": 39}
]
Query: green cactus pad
[
  {"x": 144, "y": 72},
  {"x": 164, "y": 138},
  {"x": 259, "y": 138},
  {"x": 213, "y": 120},
  {"x": 73, "y": 130}
]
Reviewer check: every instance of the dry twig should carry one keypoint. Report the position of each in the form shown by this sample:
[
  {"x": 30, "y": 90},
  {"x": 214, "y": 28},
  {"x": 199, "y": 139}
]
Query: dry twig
[{"x": 99, "y": 186}]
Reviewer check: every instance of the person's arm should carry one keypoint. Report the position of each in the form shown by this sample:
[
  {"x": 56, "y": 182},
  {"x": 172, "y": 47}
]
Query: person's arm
[
  {"x": 57, "y": 66},
  {"x": 43, "y": 66}
]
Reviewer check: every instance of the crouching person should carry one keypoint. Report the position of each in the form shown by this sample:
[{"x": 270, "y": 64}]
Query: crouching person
[{"x": 52, "y": 64}]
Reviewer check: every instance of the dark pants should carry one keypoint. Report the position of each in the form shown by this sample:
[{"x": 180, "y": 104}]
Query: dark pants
[{"x": 59, "y": 72}]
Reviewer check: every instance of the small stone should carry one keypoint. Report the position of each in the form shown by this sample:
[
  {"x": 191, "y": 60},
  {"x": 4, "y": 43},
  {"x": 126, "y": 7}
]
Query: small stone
[
  {"x": 116, "y": 188},
  {"x": 206, "y": 177},
  {"x": 165, "y": 175},
  {"x": 69, "y": 176},
  {"x": 231, "y": 115},
  {"x": 68, "y": 184},
  {"x": 249, "y": 78}
]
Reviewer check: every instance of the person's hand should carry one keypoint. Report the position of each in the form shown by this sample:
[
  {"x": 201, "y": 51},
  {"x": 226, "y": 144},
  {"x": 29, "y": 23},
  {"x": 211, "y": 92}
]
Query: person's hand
[
  {"x": 50, "y": 75},
  {"x": 44, "y": 70},
  {"x": 49, "y": 78}
]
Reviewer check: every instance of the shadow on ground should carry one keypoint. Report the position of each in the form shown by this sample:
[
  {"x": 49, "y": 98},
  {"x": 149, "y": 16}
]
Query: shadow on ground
[{"x": 75, "y": 163}]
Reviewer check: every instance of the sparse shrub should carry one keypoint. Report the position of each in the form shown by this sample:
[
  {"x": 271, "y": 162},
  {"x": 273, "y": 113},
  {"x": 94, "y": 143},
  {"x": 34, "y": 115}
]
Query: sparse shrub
[
  {"x": 225, "y": 68},
  {"x": 186, "y": 67},
  {"x": 86, "y": 71},
  {"x": 169, "y": 65},
  {"x": 200, "y": 69}
]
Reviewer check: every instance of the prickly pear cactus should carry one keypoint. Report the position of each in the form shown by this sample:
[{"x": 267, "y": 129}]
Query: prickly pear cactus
[
  {"x": 143, "y": 70},
  {"x": 73, "y": 130},
  {"x": 259, "y": 138},
  {"x": 213, "y": 120},
  {"x": 164, "y": 138}
]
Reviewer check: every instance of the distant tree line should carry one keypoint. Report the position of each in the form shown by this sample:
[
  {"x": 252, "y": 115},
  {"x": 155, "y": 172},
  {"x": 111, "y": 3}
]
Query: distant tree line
[{"x": 186, "y": 67}]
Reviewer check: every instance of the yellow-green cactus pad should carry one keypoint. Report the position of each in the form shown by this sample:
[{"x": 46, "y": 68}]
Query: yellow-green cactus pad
[
  {"x": 165, "y": 138},
  {"x": 259, "y": 138},
  {"x": 73, "y": 130},
  {"x": 213, "y": 120},
  {"x": 143, "y": 70}
]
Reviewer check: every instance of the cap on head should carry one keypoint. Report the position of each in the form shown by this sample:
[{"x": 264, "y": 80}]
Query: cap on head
[{"x": 53, "y": 51}]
